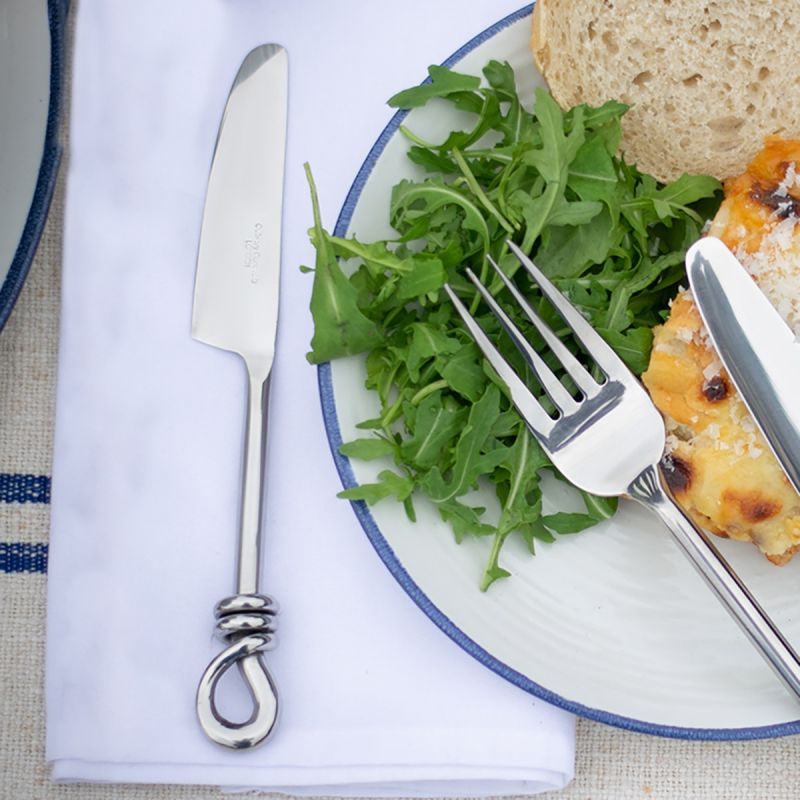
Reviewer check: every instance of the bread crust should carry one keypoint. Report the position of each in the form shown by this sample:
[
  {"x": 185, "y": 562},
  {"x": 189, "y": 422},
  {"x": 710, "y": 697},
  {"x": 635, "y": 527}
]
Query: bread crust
[{"x": 706, "y": 81}]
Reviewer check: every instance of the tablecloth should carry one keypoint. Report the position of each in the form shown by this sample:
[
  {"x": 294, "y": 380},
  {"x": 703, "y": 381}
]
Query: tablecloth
[{"x": 611, "y": 764}]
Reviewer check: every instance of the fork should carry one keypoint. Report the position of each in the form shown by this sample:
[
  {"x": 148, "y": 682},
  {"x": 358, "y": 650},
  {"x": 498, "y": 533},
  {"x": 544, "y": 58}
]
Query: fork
[{"x": 608, "y": 438}]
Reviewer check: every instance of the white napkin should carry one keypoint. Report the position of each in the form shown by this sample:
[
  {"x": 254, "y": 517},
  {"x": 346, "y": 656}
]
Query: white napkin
[{"x": 376, "y": 700}]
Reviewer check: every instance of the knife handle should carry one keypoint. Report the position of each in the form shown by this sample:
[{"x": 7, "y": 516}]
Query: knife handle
[
  {"x": 696, "y": 544},
  {"x": 253, "y": 479},
  {"x": 248, "y": 622}
]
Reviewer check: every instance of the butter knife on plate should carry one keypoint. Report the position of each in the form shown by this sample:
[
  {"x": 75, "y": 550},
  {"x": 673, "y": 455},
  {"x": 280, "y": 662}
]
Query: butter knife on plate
[
  {"x": 757, "y": 348},
  {"x": 236, "y": 308}
]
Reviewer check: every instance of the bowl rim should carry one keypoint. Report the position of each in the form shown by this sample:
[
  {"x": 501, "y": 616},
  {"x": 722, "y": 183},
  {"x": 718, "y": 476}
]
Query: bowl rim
[{"x": 48, "y": 168}]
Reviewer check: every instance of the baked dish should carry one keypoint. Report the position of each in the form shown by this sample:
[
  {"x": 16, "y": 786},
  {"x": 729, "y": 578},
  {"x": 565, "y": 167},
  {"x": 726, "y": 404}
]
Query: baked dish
[{"x": 717, "y": 463}]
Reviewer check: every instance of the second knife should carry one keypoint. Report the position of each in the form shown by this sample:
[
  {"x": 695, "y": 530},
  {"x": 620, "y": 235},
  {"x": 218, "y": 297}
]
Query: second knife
[{"x": 757, "y": 348}]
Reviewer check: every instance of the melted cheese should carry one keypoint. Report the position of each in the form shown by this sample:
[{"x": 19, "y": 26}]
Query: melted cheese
[{"x": 719, "y": 466}]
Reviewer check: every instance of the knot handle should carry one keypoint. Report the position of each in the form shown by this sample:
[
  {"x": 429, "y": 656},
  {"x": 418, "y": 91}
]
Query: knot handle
[{"x": 248, "y": 623}]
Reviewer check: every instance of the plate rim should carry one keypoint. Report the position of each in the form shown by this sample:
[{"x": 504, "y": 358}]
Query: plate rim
[
  {"x": 387, "y": 554},
  {"x": 48, "y": 169}
]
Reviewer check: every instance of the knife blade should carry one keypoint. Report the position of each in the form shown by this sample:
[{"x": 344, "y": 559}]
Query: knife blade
[
  {"x": 238, "y": 262},
  {"x": 236, "y": 308},
  {"x": 758, "y": 349}
]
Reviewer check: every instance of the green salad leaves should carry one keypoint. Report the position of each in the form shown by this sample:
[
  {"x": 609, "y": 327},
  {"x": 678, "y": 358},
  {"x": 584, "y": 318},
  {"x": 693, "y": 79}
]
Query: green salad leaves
[{"x": 610, "y": 237}]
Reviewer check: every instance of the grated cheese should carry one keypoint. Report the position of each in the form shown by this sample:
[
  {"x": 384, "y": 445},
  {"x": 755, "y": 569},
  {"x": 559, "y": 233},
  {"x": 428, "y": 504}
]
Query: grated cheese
[
  {"x": 672, "y": 442},
  {"x": 713, "y": 369},
  {"x": 790, "y": 180},
  {"x": 775, "y": 266}
]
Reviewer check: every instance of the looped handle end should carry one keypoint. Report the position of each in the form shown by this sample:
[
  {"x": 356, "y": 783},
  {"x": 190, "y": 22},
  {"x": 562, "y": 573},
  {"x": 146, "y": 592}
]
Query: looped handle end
[
  {"x": 247, "y": 623},
  {"x": 246, "y": 654}
]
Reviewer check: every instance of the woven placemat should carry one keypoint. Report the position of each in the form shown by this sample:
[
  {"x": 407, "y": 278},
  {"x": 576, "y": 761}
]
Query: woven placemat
[{"x": 611, "y": 764}]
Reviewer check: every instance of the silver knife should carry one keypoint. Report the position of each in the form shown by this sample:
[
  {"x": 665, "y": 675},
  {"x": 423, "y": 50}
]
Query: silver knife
[
  {"x": 757, "y": 348},
  {"x": 236, "y": 309}
]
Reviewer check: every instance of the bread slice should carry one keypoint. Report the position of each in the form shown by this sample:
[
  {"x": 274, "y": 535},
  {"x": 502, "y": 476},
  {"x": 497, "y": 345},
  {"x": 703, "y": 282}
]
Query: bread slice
[{"x": 707, "y": 81}]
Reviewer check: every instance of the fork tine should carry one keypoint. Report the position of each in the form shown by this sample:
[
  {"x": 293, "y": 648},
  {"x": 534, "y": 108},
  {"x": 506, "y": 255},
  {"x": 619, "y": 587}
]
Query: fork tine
[
  {"x": 561, "y": 398},
  {"x": 527, "y": 405},
  {"x": 595, "y": 345},
  {"x": 576, "y": 370}
]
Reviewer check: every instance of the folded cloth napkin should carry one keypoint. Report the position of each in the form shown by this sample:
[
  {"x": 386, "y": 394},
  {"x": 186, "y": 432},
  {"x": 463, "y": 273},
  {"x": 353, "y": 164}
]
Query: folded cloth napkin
[{"x": 376, "y": 700}]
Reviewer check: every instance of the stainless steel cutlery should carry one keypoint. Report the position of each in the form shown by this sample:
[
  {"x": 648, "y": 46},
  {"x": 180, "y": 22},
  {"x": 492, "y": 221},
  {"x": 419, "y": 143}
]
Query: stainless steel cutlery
[
  {"x": 236, "y": 309},
  {"x": 607, "y": 438},
  {"x": 758, "y": 349}
]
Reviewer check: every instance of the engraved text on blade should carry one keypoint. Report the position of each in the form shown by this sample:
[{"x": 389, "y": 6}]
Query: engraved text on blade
[{"x": 252, "y": 252}]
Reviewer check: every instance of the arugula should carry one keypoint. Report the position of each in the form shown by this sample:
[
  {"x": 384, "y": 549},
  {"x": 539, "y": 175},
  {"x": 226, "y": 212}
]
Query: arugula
[{"x": 610, "y": 237}]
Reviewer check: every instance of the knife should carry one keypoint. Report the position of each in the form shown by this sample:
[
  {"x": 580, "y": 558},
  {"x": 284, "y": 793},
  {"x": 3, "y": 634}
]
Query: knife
[
  {"x": 757, "y": 348},
  {"x": 236, "y": 308}
]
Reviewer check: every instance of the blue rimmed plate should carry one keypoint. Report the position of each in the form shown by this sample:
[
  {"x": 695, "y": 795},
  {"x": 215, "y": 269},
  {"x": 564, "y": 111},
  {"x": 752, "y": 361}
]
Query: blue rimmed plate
[
  {"x": 613, "y": 624},
  {"x": 31, "y": 49}
]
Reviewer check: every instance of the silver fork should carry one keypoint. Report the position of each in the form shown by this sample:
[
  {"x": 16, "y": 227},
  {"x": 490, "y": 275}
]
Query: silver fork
[{"x": 608, "y": 440}]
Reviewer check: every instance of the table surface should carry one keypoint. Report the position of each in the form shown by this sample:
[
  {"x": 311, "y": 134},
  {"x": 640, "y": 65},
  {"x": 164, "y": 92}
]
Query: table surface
[{"x": 611, "y": 764}]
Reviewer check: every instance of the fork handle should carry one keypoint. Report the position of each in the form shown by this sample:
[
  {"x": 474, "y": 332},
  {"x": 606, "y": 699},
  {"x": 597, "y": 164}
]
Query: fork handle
[{"x": 648, "y": 488}]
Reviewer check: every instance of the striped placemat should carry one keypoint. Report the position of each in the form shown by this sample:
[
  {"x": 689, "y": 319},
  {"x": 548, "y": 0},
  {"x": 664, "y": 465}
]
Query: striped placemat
[{"x": 24, "y": 489}]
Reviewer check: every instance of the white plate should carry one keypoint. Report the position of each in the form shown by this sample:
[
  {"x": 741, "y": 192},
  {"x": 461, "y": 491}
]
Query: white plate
[
  {"x": 31, "y": 37},
  {"x": 614, "y": 623}
]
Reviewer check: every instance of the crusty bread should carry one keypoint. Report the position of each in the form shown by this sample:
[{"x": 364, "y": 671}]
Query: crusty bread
[{"x": 707, "y": 80}]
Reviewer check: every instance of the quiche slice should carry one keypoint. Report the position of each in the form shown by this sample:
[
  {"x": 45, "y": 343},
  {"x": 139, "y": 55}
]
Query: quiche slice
[{"x": 717, "y": 463}]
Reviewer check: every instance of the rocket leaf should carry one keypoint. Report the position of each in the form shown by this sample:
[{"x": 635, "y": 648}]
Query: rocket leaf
[{"x": 612, "y": 238}]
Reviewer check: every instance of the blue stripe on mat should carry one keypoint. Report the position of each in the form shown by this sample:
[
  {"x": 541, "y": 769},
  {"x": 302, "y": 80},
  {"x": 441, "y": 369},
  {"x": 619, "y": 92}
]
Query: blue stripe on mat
[
  {"x": 17, "y": 488},
  {"x": 23, "y": 557}
]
